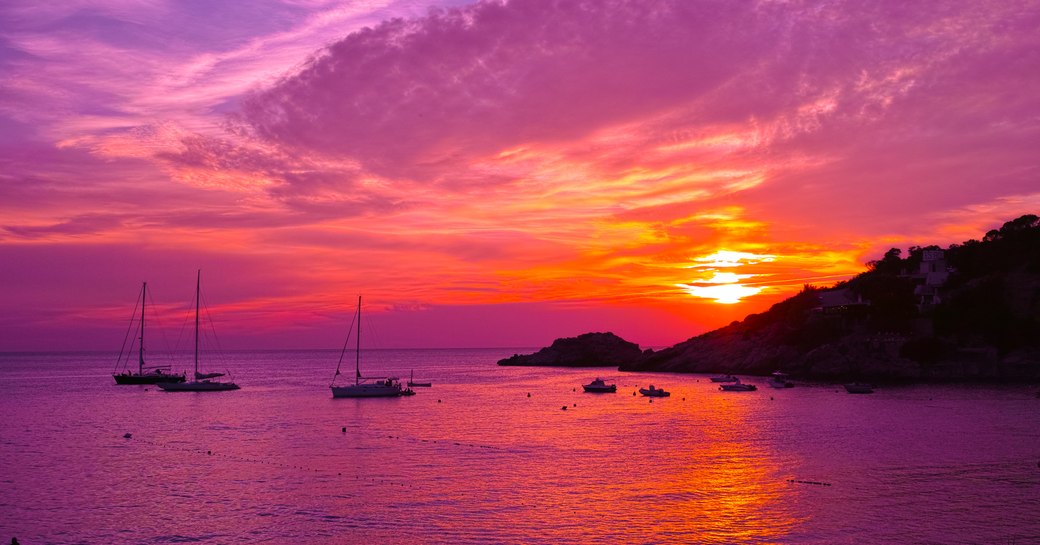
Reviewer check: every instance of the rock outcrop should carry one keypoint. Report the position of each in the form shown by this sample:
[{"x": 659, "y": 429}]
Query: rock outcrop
[{"x": 587, "y": 350}]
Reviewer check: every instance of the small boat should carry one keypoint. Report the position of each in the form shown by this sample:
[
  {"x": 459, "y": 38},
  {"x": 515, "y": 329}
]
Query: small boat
[
  {"x": 203, "y": 381},
  {"x": 780, "y": 380},
  {"x": 370, "y": 387},
  {"x": 859, "y": 388},
  {"x": 412, "y": 383},
  {"x": 145, "y": 374},
  {"x": 738, "y": 387},
  {"x": 724, "y": 378},
  {"x": 654, "y": 392},
  {"x": 599, "y": 386}
]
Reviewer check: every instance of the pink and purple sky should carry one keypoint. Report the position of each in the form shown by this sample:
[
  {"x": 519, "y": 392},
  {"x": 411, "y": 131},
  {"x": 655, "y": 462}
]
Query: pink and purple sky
[{"x": 491, "y": 173}]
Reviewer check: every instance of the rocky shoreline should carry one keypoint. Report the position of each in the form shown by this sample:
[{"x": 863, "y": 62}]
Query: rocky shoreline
[{"x": 874, "y": 358}]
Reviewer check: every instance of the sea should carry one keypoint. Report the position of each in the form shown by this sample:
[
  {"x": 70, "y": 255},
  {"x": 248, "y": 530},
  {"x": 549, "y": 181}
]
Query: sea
[{"x": 492, "y": 454}]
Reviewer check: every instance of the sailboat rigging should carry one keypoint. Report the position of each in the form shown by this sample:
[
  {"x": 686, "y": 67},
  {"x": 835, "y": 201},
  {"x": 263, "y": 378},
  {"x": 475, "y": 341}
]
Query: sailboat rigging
[
  {"x": 382, "y": 387},
  {"x": 203, "y": 381},
  {"x": 145, "y": 375}
]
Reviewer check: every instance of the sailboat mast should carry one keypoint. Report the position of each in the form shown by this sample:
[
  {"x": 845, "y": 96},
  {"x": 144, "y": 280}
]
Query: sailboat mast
[
  {"x": 198, "y": 281},
  {"x": 357, "y": 350},
  {"x": 140, "y": 347}
]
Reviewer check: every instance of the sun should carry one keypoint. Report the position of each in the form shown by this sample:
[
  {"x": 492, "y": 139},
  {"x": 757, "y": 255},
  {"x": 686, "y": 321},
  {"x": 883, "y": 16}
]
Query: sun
[
  {"x": 725, "y": 294},
  {"x": 725, "y": 287}
]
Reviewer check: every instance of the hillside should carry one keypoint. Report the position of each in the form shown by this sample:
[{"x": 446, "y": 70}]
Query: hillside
[{"x": 967, "y": 312}]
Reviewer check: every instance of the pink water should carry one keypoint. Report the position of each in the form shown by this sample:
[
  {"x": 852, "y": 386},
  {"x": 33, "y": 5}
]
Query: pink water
[{"x": 475, "y": 460}]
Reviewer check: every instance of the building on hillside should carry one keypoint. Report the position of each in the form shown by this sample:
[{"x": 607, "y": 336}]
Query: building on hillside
[
  {"x": 931, "y": 276},
  {"x": 841, "y": 301}
]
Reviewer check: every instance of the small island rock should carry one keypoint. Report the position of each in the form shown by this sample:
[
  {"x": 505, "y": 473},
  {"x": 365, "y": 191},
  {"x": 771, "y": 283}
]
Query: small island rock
[{"x": 586, "y": 350}]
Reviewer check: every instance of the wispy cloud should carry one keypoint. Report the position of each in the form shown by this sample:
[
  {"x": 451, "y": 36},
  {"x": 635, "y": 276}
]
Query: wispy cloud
[{"x": 501, "y": 152}]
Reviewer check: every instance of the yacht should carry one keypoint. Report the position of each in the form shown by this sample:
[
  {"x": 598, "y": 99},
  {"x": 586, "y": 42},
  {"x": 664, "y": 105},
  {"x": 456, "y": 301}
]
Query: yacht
[
  {"x": 203, "y": 381},
  {"x": 145, "y": 374},
  {"x": 362, "y": 387},
  {"x": 779, "y": 379},
  {"x": 599, "y": 386},
  {"x": 859, "y": 388},
  {"x": 738, "y": 387}
]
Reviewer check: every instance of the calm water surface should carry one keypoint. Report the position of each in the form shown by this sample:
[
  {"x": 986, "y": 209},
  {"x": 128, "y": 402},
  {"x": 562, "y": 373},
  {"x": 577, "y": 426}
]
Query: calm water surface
[{"x": 475, "y": 460}]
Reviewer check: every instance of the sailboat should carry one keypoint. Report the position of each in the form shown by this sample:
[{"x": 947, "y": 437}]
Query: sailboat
[
  {"x": 203, "y": 381},
  {"x": 145, "y": 375},
  {"x": 382, "y": 387}
]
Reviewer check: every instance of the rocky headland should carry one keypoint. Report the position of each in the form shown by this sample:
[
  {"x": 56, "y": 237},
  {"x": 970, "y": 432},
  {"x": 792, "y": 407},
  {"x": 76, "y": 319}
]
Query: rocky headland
[
  {"x": 969, "y": 312},
  {"x": 587, "y": 350}
]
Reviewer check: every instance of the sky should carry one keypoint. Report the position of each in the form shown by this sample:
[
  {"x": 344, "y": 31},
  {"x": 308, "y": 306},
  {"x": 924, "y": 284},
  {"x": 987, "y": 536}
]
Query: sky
[{"x": 491, "y": 174}]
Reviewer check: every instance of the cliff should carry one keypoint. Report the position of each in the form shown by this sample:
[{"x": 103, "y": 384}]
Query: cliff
[{"x": 587, "y": 350}]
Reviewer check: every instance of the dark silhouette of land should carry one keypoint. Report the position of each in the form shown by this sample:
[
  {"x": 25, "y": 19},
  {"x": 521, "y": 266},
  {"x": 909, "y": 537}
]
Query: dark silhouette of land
[
  {"x": 967, "y": 312},
  {"x": 587, "y": 350}
]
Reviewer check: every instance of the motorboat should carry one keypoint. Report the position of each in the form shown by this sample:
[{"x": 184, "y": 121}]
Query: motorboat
[
  {"x": 738, "y": 387},
  {"x": 654, "y": 392},
  {"x": 859, "y": 388},
  {"x": 724, "y": 378},
  {"x": 779, "y": 379},
  {"x": 600, "y": 386}
]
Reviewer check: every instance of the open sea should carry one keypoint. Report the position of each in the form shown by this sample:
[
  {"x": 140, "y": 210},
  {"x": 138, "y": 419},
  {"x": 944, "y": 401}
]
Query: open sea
[{"x": 488, "y": 455}]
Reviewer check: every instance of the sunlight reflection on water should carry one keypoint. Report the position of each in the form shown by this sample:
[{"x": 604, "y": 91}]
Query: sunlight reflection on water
[{"x": 474, "y": 460}]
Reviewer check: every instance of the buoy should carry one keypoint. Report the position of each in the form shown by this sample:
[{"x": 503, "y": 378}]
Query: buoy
[
  {"x": 344, "y": 430},
  {"x": 564, "y": 408},
  {"x": 575, "y": 404},
  {"x": 438, "y": 401},
  {"x": 528, "y": 394},
  {"x": 633, "y": 394},
  {"x": 574, "y": 389},
  {"x": 126, "y": 435},
  {"x": 209, "y": 452},
  {"x": 651, "y": 401}
]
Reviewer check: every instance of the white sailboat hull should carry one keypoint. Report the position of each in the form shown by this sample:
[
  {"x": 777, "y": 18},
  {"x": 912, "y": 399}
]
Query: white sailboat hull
[
  {"x": 367, "y": 390},
  {"x": 198, "y": 386}
]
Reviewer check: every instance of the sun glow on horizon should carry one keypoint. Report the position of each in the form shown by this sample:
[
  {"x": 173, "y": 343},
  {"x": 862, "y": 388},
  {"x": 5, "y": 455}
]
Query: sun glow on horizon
[
  {"x": 725, "y": 287},
  {"x": 725, "y": 294}
]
